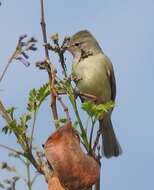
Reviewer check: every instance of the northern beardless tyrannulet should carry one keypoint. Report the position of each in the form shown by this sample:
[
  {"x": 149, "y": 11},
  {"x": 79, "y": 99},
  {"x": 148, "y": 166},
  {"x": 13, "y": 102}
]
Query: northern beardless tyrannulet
[{"x": 96, "y": 77}]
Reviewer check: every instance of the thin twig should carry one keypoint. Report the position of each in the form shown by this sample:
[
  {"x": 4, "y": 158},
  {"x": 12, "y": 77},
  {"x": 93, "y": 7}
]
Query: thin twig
[
  {"x": 7, "y": 66},
  {"x": 28, "y": 154},
  {"x": 91, "y": 132},
  {"x": 5, "y": 69},
  {"x": 12, "y": 150},
  {"x": 83, "y": 133},
  {"x": 34, "y": 178},
  {"x": 52, "y": 70},
  {"x": 31, "y": 158},
  {"x": 65, "y": 108},
  {"x": 43, "y": 25},
  {"x": 97, "y": 139},
  {"x": 8, "y": 120},
  {"x": 33, "y": 127},
  {"x": 62, "y": 61},
  {"x": 29, "y": 184}
]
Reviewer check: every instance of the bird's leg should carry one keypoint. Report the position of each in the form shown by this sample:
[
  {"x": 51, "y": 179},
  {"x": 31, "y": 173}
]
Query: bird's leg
[
  {"x": 84, "y": 96},
  {"x": 88, "y": 96}
]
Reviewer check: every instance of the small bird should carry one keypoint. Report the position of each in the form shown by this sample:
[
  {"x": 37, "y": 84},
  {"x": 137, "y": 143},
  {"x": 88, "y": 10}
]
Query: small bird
[{"x": 96, "y": 77}]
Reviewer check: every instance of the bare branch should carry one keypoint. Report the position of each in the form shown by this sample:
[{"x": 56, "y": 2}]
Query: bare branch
[
  {"x": 52, "y": 71},
  {"x": 97, "y": 139},
  {"x": 12, "y": 150},
  {"x": 33, "y": 127},
  {"x": 65, "y": 108}
]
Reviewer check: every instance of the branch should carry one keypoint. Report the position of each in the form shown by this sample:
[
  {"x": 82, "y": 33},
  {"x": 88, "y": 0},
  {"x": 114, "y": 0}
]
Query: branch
[
  {"x": 91, "y": 133},
  {"x": 33, "y": 126},
  {"x": 7, "y": 66},
  {"x": 34, "y": 178},
  {"x": 28, "y": 154},
  {"x": 97, "y": 139},
  {"x": 43, "y": 25},
  {"x": 51, "y": 70},
  {"x": 12, "y": 150},
  {"x": 65, "y": 108},
  {"x": 29, "y": 184}
]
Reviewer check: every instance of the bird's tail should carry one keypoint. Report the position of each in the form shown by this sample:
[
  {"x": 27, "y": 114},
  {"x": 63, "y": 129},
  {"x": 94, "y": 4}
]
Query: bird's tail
[{"x": 111, "y": 146}]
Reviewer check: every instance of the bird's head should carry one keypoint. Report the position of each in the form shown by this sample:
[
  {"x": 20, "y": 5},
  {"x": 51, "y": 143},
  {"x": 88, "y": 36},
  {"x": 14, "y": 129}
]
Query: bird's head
[{"x": 83, "y": 42}]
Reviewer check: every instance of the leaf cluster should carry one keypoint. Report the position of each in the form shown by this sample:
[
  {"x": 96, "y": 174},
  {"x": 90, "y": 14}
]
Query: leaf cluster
[
  {"x": 97, "y": 111},
  {"x": 36, "y": 97},
  {"x": 17, "y": 128}
]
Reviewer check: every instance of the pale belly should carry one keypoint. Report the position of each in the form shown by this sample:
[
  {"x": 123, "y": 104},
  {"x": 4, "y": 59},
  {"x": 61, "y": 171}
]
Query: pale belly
[{"x": 93, "y": 74}]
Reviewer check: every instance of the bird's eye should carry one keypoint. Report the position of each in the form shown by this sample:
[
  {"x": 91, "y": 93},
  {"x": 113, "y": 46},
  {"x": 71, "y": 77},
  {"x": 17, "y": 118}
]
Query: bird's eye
[{"x": 77, "y": 44}]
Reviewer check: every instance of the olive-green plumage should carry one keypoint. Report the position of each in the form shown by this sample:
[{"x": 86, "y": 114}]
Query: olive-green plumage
[{"x": 95, "y": 71}]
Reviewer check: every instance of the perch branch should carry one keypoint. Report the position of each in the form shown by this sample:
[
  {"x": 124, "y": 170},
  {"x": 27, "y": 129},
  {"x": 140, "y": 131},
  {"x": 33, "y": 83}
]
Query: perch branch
[{"x": 51, "y": 70}]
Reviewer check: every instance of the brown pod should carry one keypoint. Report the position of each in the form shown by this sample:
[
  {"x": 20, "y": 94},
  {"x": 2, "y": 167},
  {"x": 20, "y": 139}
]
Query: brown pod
[
  {"x": 76, "y": 170},
  {"x": 54, "y": 183}
]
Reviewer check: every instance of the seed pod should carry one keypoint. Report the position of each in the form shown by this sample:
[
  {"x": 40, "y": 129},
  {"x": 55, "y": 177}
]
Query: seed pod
[
  {"x": 75, "y": 169},
  {"x": 54, "y": 183}
]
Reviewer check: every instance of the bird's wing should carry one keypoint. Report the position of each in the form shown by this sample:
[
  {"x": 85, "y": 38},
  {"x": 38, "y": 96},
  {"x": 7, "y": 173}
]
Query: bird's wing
[{"x": 111, "y": 76}]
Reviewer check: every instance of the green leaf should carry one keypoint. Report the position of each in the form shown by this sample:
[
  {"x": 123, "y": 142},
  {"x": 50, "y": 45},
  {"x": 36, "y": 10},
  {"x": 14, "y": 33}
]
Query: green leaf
[
  {"x": 97, "y": 111},
  {"x": 20, "y": 128},
  {"x": 5, "y": 130},
  {"x": 36, "y": 97},
  {"x": 24, "y": 119},
  {"x": 32, "y": 103},
  {"x": 90, "y": 108},
  {"x": 11, "y": 111},
  {"x": 42, "y": 93},
  {"x": 11, "y": 127}
]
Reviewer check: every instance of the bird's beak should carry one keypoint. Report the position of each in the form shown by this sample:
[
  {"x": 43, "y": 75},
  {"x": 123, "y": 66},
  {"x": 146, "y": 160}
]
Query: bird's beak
[{"x": 66, "y": 44}]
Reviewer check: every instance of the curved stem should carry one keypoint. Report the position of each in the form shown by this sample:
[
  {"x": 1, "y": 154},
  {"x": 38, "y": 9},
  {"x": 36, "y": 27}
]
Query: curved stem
[
  {"x": 91, "y": 132},
  {"x": 83, "y": 133},
  {"x": 12, "y": 149},
  {"x": 33, "y": 126},
  {"x": 5, "y": 69},
  {"x": 29, "y": 184},
  {"x": 8, "y": 64},
  {"x": 52, "y": 70}
]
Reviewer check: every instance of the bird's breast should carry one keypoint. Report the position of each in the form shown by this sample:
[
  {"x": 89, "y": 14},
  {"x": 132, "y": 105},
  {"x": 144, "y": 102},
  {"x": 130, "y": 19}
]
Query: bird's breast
[{"x": 93, "y": 77}]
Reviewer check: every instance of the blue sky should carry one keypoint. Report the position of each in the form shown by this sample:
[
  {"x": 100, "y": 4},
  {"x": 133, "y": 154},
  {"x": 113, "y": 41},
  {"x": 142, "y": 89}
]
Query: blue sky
[{"x": 125, "y": 31}]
